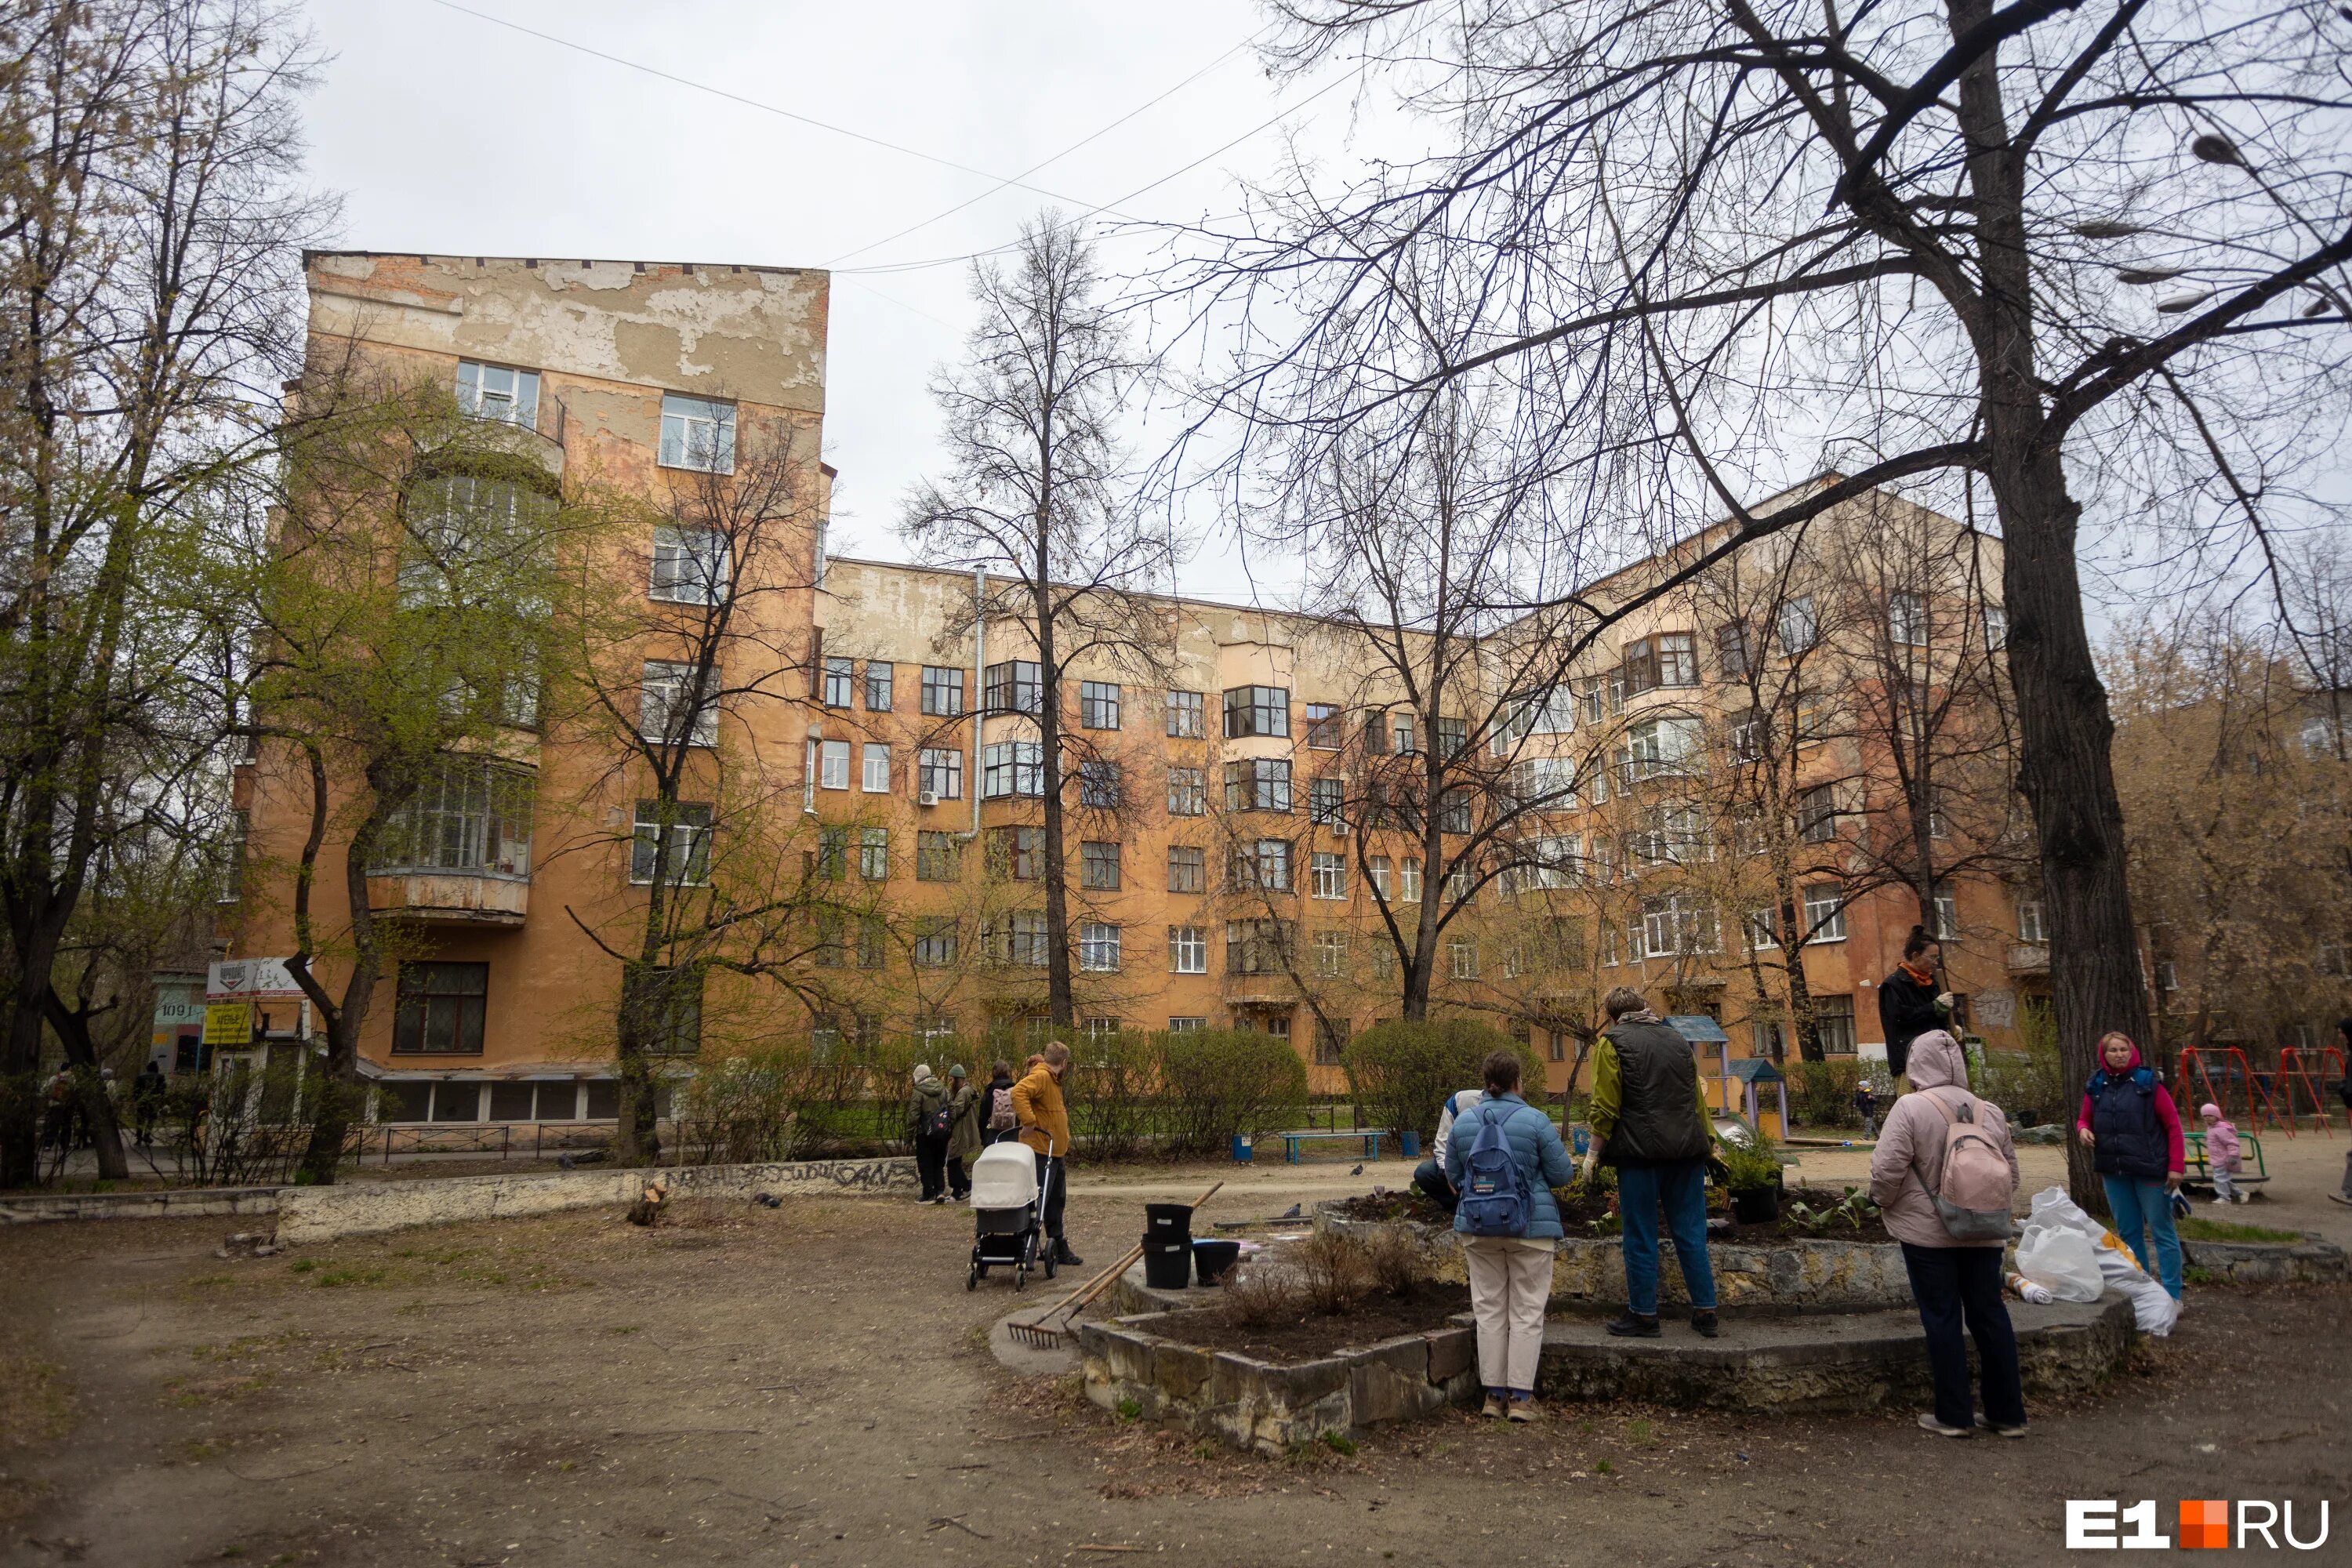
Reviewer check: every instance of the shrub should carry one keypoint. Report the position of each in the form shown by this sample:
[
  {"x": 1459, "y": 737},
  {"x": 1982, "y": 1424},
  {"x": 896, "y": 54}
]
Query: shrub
[
  {"x": 1401, "y": 1072},
  {"x": 2031, "y": 1079},
  {"x": 1396, "y": 1259},
  {"x": 1110, "y": 1089},
  {"x": 1334, "y": 1272},
  {"x": 1749, "y": 1165},
  {"x": 746, "y": 1109},
  {"x": 1822, "y": 1093},
  {"x": 1220, "y": 1082},
  {"x": 1256, "y": 1295}
]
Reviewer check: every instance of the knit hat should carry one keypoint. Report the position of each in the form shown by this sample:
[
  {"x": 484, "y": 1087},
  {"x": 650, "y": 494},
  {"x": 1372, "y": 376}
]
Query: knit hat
[
  {"x": 2211, "y": 1110},
  {"x": 957, "y": 1071}
]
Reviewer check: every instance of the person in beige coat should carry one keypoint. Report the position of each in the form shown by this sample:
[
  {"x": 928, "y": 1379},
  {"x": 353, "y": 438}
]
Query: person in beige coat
[{"x": 1951, "y": 1279}]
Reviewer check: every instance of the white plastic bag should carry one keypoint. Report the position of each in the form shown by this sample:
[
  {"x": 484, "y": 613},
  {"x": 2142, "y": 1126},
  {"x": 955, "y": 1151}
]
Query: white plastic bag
[
  {"x": 2152, "y": 1306},
  {"x": 2062, "y": 1259}
]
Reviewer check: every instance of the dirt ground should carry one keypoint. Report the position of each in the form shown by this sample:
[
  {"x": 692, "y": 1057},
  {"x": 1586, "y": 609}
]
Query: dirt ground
[{"x": 811, "y": 1385}]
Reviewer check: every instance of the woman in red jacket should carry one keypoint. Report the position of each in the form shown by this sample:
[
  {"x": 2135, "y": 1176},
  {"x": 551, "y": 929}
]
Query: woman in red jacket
[{"x": 2133, "y": 1130}]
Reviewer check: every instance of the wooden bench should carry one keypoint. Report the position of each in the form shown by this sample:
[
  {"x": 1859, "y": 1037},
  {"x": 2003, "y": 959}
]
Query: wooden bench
[{"x": 1369, "y": 1137}]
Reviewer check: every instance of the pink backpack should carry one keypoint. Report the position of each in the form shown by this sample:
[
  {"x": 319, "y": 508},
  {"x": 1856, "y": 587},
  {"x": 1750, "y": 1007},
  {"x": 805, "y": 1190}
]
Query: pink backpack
[{"x": 1973, "y": 1191}]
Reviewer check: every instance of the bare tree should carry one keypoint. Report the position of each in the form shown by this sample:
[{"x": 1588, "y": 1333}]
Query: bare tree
[
  {"x": 1032, "y": 496},
  {"x": 150, "y": 241},
  {"x": 1707, "y": 237}
]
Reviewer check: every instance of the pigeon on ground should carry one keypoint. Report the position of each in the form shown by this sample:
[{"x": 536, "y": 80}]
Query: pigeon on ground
[
  {"x": 1356, "y": 1172},
  {"x": 1290, "y": 1213}
]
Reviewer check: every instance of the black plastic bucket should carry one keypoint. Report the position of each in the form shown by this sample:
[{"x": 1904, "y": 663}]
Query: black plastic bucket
[
  {"x": 1167, "y": 1222},
  {"x": 1211, "y": 1260},
  {"x": 1168, "y": 1265}
]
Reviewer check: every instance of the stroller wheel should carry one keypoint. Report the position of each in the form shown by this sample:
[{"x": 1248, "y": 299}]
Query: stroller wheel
[
  {"x": 972, "y": 1278},
  {"x": 1052, "y": 1267},
  {"x": 1021, "y": 1279}
]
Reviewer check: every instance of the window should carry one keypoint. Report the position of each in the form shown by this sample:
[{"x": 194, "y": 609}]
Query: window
[
  {"x": 1948, "y": 917},
  {"x": 2332, "y": 958},
  {"x": 1020, "y": 939},
  {"x": 873, "y": 854},
  {"x": 495, "y": 392},
  {"x": 2029, "y": 920},
  {"x": 1325, "y": 802},
  {"x": 1800, "y": 628},
  {"x": 876, "y": 773},
  {"x": 1099, "y": 784},
  {"x": 1384, "y": 958},
  {"x": 438, "y": 1008},
  {"x": 683, "y": 858},
  {"x": 1187, "y": 1025},
  {"x": 1833, "y": 1018},
  {"x": 1733, "y": 652},
  {"x": 1264, "y": 864},
  {"x": 1678, "y": 659},
  {"x": 1400, "y": 734},
  {"x": 1258, "y": 784},
  {"x": 1098, "y": 865},
  {"x": 1996, "y": 627},
  {"x": 673, "y": 708},
  {"x": 935, "y": 942},
  {"x": 1547, "y": 784},
  {"x": 939, "y": 772},
  {"x": 1817, "y": 814},
  {"x": 677, "y": 1020},
  {"x": 1453, "y": 737},
  {"x": 1376, "y": 868},
  {"x": 1257, "y": 711},
  {"x": 1639, "y": 668},
  {"x": 840, "y": 681},
  {"x": 833, "y": 764},
  {"x": 1187, "y": 953},
  {"x": 1762, "y": 926},
  {"x": 1330, "y": 1042},
  {"x": 232, "y": 883},
  {"x": 1658, "y": 748},
  {"x": 1323, "y": 726},
  {"x": 1747, "y": 734},
  {"x": 1331, "y": 951},
  {"x": 2167, "y": 978},
  {"x": 1187, "y": 870},
  {"x": 943, "y": 690},
  {"x": 938, "y": 857},
  {"x": 1012, "y": 768},
  {"x": 468, "y": 815},
  {"x": 1677, "y": 924},
  {"x": 1100, "y": 1028},
  {"x": 1017, "y": 852},
  {"x": 1376, "y": 734},
  {"x": 1184, "y": 715},
  {"x": 873, "y": 942},
  {"x": 881, "y": 676},
  {"x": 1012, "y": 687},
  {"x": 1098, "y": 947},
  {"x": 1188, "y": 791},
  {"x": 1409, "y": 879},
  {"x": 1256, "y": 947},
  {"x": 1825, "y": 913},
  {"x": 697, "y": 433},
  {"x": 1462, "y": 958},
  {"x": 831, "y": 862},
  {"x": 1098, "y": 704},
  {"x": 1454, "y": 811},
  {"x": 1906, "y": 620},
  {"x": 690, "y": 565},
  {"x": 1328, "y": 875}
]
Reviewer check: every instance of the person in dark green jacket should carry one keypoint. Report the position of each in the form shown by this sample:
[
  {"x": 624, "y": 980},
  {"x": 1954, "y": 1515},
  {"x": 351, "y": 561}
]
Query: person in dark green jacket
[{"x": 1649, "y": 1119}]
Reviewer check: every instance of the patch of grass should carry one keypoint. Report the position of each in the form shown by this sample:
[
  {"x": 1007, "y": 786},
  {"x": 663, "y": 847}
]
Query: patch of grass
[
  {"x": 1641, "y": 1432},
  {"x": 1206, "y": 1448},
  {"x": 208, "y": 1282},
  {"x": 33, "y": 1401},
  {"x": 195, "y": 1450},
  {"x": 304, "y": 1265},
  {"x": 2193, "y": 1275},
  {"x": 2197, "y": 1228},
  {"x": 1604, "y": 1468},
  {"x": 1131, "y": 1410},
  {"x": 1338, "y": 1443},
  {"x": 351, "y": 1275},
  {"x": 627, "y": 1329}
]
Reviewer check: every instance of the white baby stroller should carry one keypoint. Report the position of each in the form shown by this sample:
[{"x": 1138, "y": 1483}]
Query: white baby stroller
[{"x": 1006, "y": 1205}]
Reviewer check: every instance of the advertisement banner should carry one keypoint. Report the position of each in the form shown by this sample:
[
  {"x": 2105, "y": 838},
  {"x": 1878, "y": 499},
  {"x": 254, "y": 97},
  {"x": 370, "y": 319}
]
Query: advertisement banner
[
  {"x": 228, "y": 1023},
  {"x": 249, "y": 980}
]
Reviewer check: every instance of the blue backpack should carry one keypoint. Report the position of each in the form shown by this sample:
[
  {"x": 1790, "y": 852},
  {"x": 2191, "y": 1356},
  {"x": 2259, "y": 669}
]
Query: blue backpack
[{"x": 1494, "y": 1190}]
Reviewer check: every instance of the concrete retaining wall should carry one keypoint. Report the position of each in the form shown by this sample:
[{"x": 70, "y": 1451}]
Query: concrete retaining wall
[
  {"x": 2314, "y": 1261},
  {"x": 306, "y": 1216},
  {"x": 172, "y": 1203}
]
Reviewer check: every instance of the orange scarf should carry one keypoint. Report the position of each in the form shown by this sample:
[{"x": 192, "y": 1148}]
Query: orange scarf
[{"x": 1924, "y": 976}]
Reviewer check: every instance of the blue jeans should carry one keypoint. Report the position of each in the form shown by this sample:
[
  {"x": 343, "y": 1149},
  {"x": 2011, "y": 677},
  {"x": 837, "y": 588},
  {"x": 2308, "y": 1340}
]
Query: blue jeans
[
  {"x": 1681, "y": 1189},
  {"x": 2140, "y": 1205}
]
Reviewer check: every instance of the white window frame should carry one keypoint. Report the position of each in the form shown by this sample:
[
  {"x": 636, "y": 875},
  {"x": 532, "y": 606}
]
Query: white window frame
[
  {"x": 1948, "y": 917},
  {"x": 833, "y": 764},
  {"x": 1098, "y": 947},
  {"x": 1376, "y": 870},
  {"x": 1797, "y": 626},
  {"x": 693, "y": 863},
  {"x": 1906, "y": 619},
  {"x": 1331, "y": 951},
  {"x": 1832, "y": 898},
  {"x": 696, "y": 433},
  {"x": 2030, "y": 926},
  {"x": 1409, "y": 879},
  {"x": 664, "y": 684},
  {"x": 1328, "y": 875},
  {"x": 690, "y": 565},
  {"x": 482, "y": 395},
  {"x": 1188, "y": 952},
  {"x": 874, "y": 769}
]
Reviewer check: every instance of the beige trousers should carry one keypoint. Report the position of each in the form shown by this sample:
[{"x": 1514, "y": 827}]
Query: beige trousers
[{"x": 1510, "y": 1285}]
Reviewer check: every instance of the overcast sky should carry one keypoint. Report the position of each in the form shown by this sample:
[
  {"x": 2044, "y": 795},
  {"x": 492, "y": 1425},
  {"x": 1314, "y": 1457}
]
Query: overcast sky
[{"x": 444, "y": 133}]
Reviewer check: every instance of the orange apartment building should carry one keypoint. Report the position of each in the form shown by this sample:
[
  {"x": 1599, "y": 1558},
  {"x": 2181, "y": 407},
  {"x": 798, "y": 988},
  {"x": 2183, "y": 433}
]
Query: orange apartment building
[{"x": 1214, "y": 878}]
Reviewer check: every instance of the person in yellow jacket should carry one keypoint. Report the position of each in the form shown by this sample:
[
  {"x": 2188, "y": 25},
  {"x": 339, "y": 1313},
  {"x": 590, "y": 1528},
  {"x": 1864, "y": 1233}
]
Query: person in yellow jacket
[{"x": 1046, "y": 1127}]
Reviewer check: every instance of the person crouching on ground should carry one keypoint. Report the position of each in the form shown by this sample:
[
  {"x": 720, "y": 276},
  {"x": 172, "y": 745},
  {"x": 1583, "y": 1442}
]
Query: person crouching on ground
[
  {"x": 963, "y": 1132},
  {"x": 1510, "y": 1269},
  {"x": 1430, "y": 1174},
  {"x": 1045, "y": 1129},
  {"x": 2223, "y": 1155},
  {"x": 1649, "y": 1119},
  {"x": 1951, "y": 1279},
  {"x": 925, "y": 1105},
  {"x": 2133, "y": 1130}
]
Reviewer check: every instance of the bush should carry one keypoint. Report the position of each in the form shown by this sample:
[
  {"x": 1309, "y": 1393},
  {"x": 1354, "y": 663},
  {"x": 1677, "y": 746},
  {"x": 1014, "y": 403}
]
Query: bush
[
  {"x": 1110, "y": 1089},
  {"x": 1257, "y": 1295},
  {"x": 1220, "y": 1082},
  {"x": 1748, "y": 1166},
  {"x": 1822, "y": 1094},
  {"x": 1401, "y": 1072},
  {"x": 1394, "y": 1254},
  {"x": 748, "y": 1109},
  {"x": 2029, "y": 1080},
  {"x": 1335, "y": 1272}
]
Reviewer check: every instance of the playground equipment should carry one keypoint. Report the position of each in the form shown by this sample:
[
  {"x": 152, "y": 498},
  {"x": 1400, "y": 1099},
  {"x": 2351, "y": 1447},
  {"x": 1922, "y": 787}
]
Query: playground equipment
[
  {"x": 2297, "y": 1086},
  {"x": 2227, "y": 1080}
]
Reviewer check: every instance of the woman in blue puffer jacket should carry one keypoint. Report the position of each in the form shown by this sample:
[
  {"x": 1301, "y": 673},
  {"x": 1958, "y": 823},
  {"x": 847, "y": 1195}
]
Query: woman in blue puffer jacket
[{"x": 1510, "y": 1275}]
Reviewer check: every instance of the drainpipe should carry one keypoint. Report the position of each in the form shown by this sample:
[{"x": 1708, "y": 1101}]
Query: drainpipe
[{"x": 979, "y": 675}]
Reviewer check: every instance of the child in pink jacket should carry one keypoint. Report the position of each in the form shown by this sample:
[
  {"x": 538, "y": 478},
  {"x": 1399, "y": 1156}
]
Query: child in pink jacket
[{"x": 2222, "y": 1155}]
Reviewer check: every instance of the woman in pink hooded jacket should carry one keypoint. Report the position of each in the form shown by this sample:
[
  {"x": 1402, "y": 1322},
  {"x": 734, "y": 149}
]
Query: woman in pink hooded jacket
[{"x": 1951, "y": 1279}]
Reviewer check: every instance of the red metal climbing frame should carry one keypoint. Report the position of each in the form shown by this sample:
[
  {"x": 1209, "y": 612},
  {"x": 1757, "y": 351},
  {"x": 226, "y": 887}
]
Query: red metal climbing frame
[
  {"x": 2296, "y": 1083},
  {"x": 2229, "y": 1083}
]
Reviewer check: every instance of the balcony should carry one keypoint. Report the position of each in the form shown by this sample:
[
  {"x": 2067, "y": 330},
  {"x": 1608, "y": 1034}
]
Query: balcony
[
  {"x": 459, "y": 852},
  {"x": 2029, "y": 958},
  {"x": 450, "y": 897}
]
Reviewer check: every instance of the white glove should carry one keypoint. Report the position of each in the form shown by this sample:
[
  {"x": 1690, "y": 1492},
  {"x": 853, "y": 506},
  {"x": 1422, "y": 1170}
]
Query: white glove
[
  {"x": 1584, "y": 1171},
  {"x": 1944, "y": 1000}
]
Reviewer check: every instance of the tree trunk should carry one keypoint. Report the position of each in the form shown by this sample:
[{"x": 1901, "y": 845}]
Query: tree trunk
[
  {"x": 81, "y": 1054},
  {"x": 20, "y": 1058},
  {"x": 1803, "y": 1023},
  {"x": 340, "y": 1095},
  {"x": 1061, "y": 1002},
  {"x": 636, "y": 1137}
]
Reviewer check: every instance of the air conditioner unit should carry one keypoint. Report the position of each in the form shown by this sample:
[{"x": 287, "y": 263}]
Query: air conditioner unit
[
  {"x": 1338, "y": 830},
  {"x": 929, "y": 797}
]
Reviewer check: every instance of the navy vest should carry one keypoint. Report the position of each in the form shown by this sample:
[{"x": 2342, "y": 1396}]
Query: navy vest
[{"x": 2131, "y": 1139}]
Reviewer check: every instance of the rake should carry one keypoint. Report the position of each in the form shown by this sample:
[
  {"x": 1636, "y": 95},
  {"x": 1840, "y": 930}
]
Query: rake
[{"x": 1037, "y": 1336}]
